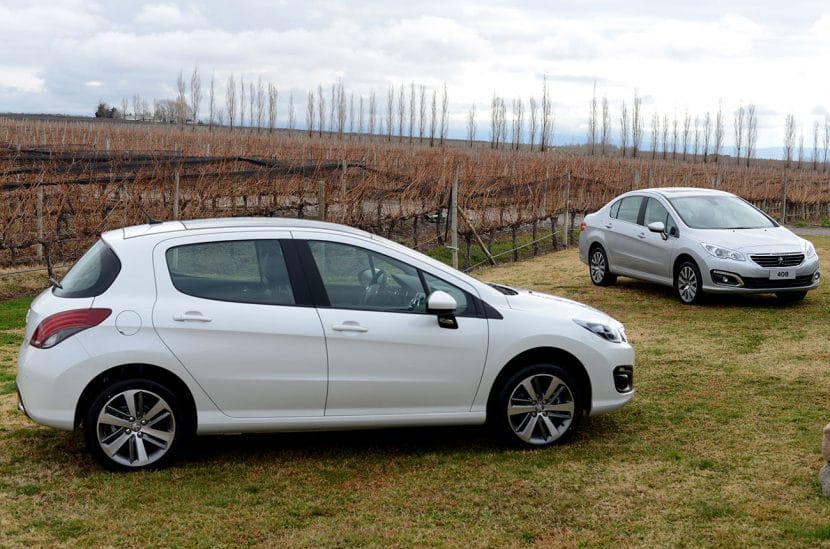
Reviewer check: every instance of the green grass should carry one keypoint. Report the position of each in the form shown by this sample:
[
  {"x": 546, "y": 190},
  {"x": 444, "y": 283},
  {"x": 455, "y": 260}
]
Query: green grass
[{"x": 720, "y": 447}]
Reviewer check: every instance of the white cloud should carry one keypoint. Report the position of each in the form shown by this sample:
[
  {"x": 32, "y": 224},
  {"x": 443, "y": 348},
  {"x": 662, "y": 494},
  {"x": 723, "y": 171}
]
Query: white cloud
[
  {"x": 21, "y": 79},
  {"x": 170, "y": 15}
]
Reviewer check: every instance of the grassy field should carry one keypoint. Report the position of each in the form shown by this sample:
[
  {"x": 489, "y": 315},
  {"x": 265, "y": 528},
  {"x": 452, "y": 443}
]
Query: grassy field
[{"x": 720, "y": 447}]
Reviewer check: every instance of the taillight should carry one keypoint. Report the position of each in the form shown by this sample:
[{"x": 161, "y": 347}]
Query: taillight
[
  {"x": 55, "y": 328},
  {"x": 582, "y": 226}
]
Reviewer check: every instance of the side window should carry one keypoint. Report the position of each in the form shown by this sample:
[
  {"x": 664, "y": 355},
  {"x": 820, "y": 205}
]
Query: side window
[
  {"x": 655, "y": 212},
  {"x": 629, "y": 208},
  {"x": 615, "y": 208},
  {"x": 91, "y": 275},
  {"x": 357, "y": 278},
  {"x": 244, "y": 271},
  {"x": 465, "y": 303}
]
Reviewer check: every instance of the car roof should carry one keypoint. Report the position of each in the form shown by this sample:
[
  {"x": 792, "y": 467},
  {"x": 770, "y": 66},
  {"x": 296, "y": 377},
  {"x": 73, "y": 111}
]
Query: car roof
[
  {"x": 166, "y": 227},
  {"x": 673, "y": 192}
]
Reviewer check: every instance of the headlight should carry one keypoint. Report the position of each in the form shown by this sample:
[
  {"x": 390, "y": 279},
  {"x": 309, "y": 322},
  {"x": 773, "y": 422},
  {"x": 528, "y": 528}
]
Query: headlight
[
  {"x": 602, "y": 330},
  {"x": 809, "y": 249},
  {"x": 723, "y": 253}
]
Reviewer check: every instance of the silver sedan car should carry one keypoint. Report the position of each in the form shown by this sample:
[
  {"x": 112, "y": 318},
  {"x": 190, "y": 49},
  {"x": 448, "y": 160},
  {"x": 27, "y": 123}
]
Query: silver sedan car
[{"x": 698, "y": 241}]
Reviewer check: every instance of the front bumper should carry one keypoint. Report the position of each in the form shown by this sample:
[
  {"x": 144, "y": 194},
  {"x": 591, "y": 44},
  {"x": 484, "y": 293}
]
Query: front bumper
[{"x": 747, "y": 277}]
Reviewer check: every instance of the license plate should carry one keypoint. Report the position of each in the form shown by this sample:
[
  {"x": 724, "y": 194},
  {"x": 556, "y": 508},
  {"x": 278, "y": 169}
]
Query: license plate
[{"x": 782, "y": 274}]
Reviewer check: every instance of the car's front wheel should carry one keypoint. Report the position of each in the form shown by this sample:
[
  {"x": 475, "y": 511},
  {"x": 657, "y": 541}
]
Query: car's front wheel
[
  {"x": 537, "y": 406},
  {"x": 598, "y": 267},
  {"x": 688, "y": 283},
  {"x": 134, "y": 424}
]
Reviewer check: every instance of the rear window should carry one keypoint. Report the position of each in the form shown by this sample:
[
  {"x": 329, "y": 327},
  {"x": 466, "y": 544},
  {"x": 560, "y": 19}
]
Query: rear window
[{"x": 91, "y": 275}]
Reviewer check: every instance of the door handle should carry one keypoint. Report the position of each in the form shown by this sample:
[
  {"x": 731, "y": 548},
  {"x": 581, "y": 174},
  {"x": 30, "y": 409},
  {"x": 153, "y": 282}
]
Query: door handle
[
  {"x": 349, "y": 326},
  {"x": 642, "y": 235},
  {"x": 609, "y": 225},
  {"x": 191, "y": 316}
]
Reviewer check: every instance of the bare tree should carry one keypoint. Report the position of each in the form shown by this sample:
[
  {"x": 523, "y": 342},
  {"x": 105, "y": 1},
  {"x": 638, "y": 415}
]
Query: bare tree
[
  {"x": 444, "y": 113},
  {"x": 592, "y": 121},
  {"x": 351, "y": 113},
  {"x": 433, "y": 118},
  {"x": 636, "y": 123},
  {"x": 534, "y": 121},
  {"x": 212, "y": 102},
  {"x": 674, "y": 137},
  {"x": 220, "y": 117},
  {"x": 321, "y": 111},
  {"x": 707, "y": 135},
  {"x": 800, "y": 147},
  {"x": 181, "y": 100},
  {"x": 422, "y": 113},
  {"x": 655, "y": 134},
  {"x": 751, "y": 132},
  {"x": 518, "y": 122},
  {"x": 718, "y": 132},
  {"x": 309, "y": 114},
  {"x": 230, "y": 100},
  {"x": 241, "y": 101},
  {"x": 340, "y": 97},
  {"x": 412, "y": 111},
  {"x": 390, "y": 112},
  {"x": 260, "y": 103},
  {"x": 789, "y": 138},
  {"x": 687, "y": 129},
  {"x": 738, "y": 126},
  {"x": 825, "y": 140},
  {"x": 195, "y": 94},
  {"x": 494, "y": 122},
  {"x": 605, "y": 132},
  {"x": 623, "y": 128},
  {"x": 251, "y": 112},
  {"x": 292, "y": 121},
  {"x": 401, "y": 112},
  {"x": 546, "y": 122},
  {"x": 272, "y": 106},
  {"x": 471, "y": 125},
  {"x": 373, "y": 110},
  {"x": 815, "y": 145},
  {"x": 333, "y": 107},
  {"x": 360, "y": 117},
  {"x": 665, "y": 140},
  {"x": 125, "y": 104},
  {"x": 697, "y": 138},
  {"x": 136, "y": 106}
]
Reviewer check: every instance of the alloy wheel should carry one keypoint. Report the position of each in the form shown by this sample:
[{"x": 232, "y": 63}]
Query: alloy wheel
[{"x": 540, "y": 409}]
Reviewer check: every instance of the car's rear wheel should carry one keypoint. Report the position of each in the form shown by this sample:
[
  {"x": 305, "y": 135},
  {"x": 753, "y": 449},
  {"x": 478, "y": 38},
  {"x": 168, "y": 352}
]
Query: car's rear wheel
[
  {"x": 134, "y": 424},
  {"x": 791, "y": 297},
  {"x": 598, "y": 267},
  {"x": 688, "y": 283},
  {"x": 537, "y": 406}
]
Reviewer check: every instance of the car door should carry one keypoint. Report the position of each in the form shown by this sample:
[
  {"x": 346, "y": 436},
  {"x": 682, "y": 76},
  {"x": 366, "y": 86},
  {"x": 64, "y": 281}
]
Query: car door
[
  {"x": 652, "y": 252},
  {"x": 622, "y": 233},
  {"x": 387, "y": 355},
  {"x": 230, "y": 310}
]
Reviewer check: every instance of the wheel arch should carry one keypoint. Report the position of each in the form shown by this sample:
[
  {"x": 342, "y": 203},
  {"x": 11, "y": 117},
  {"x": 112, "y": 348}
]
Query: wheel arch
[
  {"x": 137, "y": 371},
  {"x": 544, "y": 355},
  {"x": 679, "y": 260}
]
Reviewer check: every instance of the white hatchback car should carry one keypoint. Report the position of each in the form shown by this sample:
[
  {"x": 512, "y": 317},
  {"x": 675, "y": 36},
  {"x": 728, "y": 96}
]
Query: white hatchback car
[{"x": 238, "y": 325}]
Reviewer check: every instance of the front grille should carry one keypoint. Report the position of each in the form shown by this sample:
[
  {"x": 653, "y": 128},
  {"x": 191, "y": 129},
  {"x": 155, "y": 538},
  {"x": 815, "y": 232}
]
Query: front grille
[
  {"x": 760, "y": 283},
  {"x": 778, "y": 260}
]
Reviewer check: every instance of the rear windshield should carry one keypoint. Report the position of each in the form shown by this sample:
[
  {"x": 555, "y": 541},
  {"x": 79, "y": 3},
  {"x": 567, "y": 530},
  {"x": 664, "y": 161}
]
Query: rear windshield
[{"x": 92, "y": 274}]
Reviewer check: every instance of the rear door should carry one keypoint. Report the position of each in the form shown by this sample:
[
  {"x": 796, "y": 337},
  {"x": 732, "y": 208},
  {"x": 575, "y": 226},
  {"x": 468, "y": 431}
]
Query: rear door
[
  {"x": 623, "y": 234},
  {"x": 231, "y": 311}
]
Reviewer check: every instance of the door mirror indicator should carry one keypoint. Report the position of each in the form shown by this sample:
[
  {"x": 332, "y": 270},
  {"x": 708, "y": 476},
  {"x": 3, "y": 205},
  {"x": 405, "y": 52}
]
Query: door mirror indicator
[{"x": 444, "y": 305}]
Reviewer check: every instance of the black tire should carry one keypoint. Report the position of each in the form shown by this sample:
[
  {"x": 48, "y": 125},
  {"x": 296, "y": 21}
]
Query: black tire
[
  {"x": 135, "y": 424},
  {"x": 688, "y": 284},
  {"x": 599, "y": 268},
  {"x": 791, "y": 297},
  {"x": 550, "y": 416}
]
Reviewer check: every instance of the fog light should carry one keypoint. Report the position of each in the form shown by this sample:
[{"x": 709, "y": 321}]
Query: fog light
[
  {"x": 816, "y": 276},
  {"x": 724, "y": 278},
  {"x": 624, "y": 378}
]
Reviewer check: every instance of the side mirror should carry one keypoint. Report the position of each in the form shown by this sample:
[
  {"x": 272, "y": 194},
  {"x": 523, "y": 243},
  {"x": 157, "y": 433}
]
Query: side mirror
[
  {"x": 443, "y": 304},
  {"x": 658, "y": 227}
]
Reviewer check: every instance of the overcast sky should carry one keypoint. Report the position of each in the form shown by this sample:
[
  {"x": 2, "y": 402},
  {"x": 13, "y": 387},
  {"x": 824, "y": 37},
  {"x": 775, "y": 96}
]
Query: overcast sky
[{"x": 63, "y": 56}]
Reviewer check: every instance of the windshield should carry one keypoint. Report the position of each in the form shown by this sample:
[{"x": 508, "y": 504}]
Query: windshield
[{"x": 720, "y": 212}]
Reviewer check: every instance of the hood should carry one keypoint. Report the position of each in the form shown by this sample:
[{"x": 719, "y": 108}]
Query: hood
[
  {"x": 769, "y": 240},
  {"x": 530, "y": 300}
]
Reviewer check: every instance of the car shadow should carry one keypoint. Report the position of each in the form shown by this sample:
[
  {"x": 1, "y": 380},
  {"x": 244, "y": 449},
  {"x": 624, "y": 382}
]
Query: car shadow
[{"x": 650, "y": 289}]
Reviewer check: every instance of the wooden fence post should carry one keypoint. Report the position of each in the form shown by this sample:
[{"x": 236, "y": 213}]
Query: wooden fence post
[
  {"x": 39, "y": 214},
  {"x": 454, "y": 226},
  {"x": 176, "y": 195},
  {"x": 321, "y": 200},
  {"x": 566, "y": 201},
  {"x": 784, "y": 198}
]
